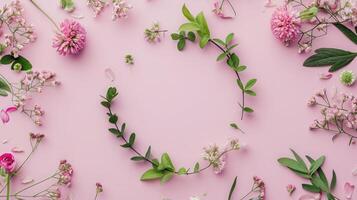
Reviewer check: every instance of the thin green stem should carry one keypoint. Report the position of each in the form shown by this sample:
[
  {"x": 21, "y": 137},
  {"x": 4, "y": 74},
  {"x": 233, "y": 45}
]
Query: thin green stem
[
  {"x": 43, "y": 12},
  {"x": 8, "y": 177}
]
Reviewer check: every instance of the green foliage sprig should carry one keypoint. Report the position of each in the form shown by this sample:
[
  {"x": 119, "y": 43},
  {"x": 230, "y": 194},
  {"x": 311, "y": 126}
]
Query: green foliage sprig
[
  {"x": 162, "y": 169},
  {"x": 313, "y": 173},
  {"x": 18, "y": 63},
  {"x": 336, "y": 58},
  {"x": 198, "y": 26}
]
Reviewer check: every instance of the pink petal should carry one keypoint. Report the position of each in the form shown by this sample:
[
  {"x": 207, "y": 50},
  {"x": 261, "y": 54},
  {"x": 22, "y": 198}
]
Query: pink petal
[
  {"x": 310, "y": 197},
  {"x": 349, "y": 188},
  {"x": 325, "y": 76},
  {"x": 5, "y": 118},
  {"x": 17, "y": 150}
]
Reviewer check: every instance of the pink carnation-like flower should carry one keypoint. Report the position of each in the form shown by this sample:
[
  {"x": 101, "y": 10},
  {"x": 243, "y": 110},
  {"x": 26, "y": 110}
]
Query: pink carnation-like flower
[
  {"x": 7, "y": 162},
  {"x": 285, "y": 25},
  {"x": 72, "y": 38}
]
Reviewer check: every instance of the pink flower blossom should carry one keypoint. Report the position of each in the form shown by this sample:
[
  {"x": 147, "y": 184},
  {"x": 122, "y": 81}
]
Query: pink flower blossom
[
  {"x": 4, "y": 114},
  {"x": 7, "y": 162},
  {"x": 120, "y": 9},
  {"x": 290, "y": 188},
  {"x": 71, "y": 39},
  {"x": 285, "y": 25}
]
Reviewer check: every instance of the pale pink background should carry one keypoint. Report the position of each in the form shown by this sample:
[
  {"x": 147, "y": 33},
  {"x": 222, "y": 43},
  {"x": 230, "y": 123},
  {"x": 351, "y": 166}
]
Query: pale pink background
[{"x": 177, "y": 102}]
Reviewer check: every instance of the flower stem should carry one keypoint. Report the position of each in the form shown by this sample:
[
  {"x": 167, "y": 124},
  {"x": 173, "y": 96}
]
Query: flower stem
[
  {"x": 8, "y": 177},
  {"x": 43, "y": 12}
]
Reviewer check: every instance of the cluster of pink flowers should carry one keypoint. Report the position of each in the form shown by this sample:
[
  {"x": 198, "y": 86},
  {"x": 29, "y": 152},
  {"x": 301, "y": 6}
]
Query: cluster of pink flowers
[
  {"x": 304, "y": 21},
  {"x": 216, "y": 155},
  {"x": 33, "y": 82},
  {"x": 97, "y": 6},
  {"x": 7, "y": 162},
  {"x": 120, "y": 9},
  {"x": 65, "y": 173},
  {"x": 259, "y": 187},
  {"x": 18, "y": 32},
  {"x": 71, "y": 39},
  {"x": 339, "y": 114}
]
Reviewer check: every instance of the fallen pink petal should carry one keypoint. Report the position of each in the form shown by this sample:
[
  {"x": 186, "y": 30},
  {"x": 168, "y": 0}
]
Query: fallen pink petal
[
  {"x": 326, "y": 76},
  {"x": 349, "y": 189}
]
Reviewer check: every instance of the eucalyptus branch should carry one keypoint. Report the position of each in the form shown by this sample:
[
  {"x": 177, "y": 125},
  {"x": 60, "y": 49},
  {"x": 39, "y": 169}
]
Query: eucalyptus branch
[
  {"x": 198, "y": 26},
  {"x": 163, "y": 169}
]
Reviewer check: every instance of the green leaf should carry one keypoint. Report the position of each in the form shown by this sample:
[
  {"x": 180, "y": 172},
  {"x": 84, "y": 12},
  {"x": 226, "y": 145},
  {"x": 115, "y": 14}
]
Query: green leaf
[
  {"x": 196, "y": 168},
  {"x": 113, "y": 119},
  {"x": 316, "y": 180},
  {"x": 347, "y": 32},
  {"x": 151, "y": 174},
  {"x": 7, "y": 59},
  {"x": 219, "y": 41},
  {"x": 232, "y": 188},
  {"x": 114, "y": 131},
  {"x": 292, "y": 164},
  {"x": 191, "y": 36},
  {"x": 248, "y": 109},
  {"x": 323, "y": 177},
  {"x": 175, "y": 36},
  {"x": 250, "y": 92},
  {"x": 4, "y": 85},
  {"x": 201, "y": 20},
  {"x": 317, "y": 164},
  {"x": 234, "y": 125},
  {"x": 309, "y": 13},
  {"x": 3, "y": 93},
  {"x": 240, "y": 68},
  {"x": 111, "y": 93},
  {"x": 132, "y": 139},
  {"x": 231, "y": 47},
  {"x": 182, "y": 171},
  {"x": 122, "y": 128},
  {"x": 166, "y": 163},
  {"x": 167, "y": 176},
  {"x": 240, "y": 84},
  {"x": 26, "y": 65},
  {"x": 337, "y": 58},
  {"x": 333, "y": 181},
  {"x": 187, "y": 13},
  {"x": 104, "y": 103},
  {"x": 221, "y": 56},
  {"x": 204, "y": 40},
  {"x": 300, "y": 161},
  {"x": 148, "y": 153},
  {"x": 229, "y": 38},
  {"x": 233, "y": 61},
  {"x": 181, "y": 44},
  {"x": 250, "y": 84},
  {"x": 137, "y": 158},
  {"x": 330, "y": 196},
  {"x": 67, "y": 5},
  {"x": 311, "y": 188},
  {"x": 189, "y": 27}
]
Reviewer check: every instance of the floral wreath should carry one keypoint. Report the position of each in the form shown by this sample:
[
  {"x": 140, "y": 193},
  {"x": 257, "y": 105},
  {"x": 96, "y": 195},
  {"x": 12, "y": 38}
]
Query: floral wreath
[{"x": 164, "y": 168}]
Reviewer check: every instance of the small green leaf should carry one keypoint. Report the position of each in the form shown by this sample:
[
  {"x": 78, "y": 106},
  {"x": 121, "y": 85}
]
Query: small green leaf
[
  {"x": 248, "y": 109},
  {"x": 25, "y": 64},
  {"x": 4, "y": 85},
  {"x": 240, "y": 84},
  {"x": 333, "y": 181},
  {"x": 300, "y": 161},
  {"x": 122, "y": 128},
  {"x": 104, "y": 103},
  {"x": 189, "y": 27},
  {"x": 232, "y": 188},
  {"x": 311, "y": 188},
  {"x": 221, "y": 56},
  {"x": 191, "y": 36},
  {"x": 250, "y": 84},
  {"x": 114, "y": 131},
  {"x": 196, "y": 168},
  {"x": 166, "y": 163},
  {"x": 182, "y": 171},
  {"x": 181, "y": 44},
  {"x": 3, "y": 93},
  {"x": 292, "y": 164},
  {"x": 316, "y": 165},
  {"x": 204, "y": 40},
  {"x": 234, "y": 125},
  {"x": 240, "y": 68},
  {"x": 233, "y": 61},
  {"x": 309, "y": 13},
  {"x": 137, "y": 158},
  {"x": 151, "y": 174},
  {"x": 7, "y": 59},
  {"x": 316, "y": 180},
  {"x": 67, "y": 5},
  {"x": 132, "y": 139},
  {"x": 175, "y": 36},
  {"x": 148, "y": 153},
  {"x": 187, "y": 13},
  {"x": 347, "y": 32},
  {"x": 111, "y": 93},
  {"x": 113, "y": 119},
  {"x": 201, "y": 20},
  {"x": 229, "y": 38},
  {"x": 219, "y": 41},
  {"x": 167, "y": 176},
  {"x": 250, "y": 92}
]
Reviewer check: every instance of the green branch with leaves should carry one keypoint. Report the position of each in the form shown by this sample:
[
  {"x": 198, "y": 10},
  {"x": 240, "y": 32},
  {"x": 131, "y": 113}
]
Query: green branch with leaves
[
  {"x": 162, "y": 169},
  {"x": 313, "y": 173},
  {"x": 197, "y": 27}
]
